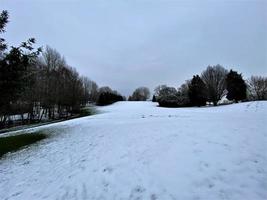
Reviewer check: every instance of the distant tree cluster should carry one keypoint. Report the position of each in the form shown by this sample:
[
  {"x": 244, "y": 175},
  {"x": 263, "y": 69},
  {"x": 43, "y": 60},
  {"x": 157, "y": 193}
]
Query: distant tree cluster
[
  {"x": 140, "y": 94},
  {"x": 38, "y": 84},
  {"x": 211, "y": 86},
  {"x": 171, "y": 97},
  {"x": 108, "y": 96}
]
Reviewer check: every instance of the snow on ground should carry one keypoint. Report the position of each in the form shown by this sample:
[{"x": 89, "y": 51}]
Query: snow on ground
[{"x": 136, "y": 150}]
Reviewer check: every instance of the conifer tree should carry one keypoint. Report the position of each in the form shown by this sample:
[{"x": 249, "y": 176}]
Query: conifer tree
[
  {"x": 197, "y": 92},
  {"x": 236, "y": 86}
]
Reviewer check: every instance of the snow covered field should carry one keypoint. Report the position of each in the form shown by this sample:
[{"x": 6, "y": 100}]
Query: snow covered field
[{"x": 135, "y": 150}]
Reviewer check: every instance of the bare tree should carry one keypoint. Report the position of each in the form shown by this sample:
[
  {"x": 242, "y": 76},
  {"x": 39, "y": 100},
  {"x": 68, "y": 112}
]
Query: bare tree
[
  {"x": 184, "y": 88},
  {"x": 183, "y": 93},
  {"x": 104, "y": 89},
  {"x": 35, "y": 87},
  {"x": 53, "y": 67},
  {"x": 258, "y": 87},
  {"x": 214, "y": 79},
  {"x": 90, "y": 90},
  {"x": 166, "y": 91},
  {"x": 170, "y": 97},
  {"x": 140, "y": 94},
  {"x": 158, "y": 89}
]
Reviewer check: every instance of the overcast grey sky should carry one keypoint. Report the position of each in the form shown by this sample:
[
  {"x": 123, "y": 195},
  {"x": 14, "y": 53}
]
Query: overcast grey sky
[{"x": 131, "y": 43}]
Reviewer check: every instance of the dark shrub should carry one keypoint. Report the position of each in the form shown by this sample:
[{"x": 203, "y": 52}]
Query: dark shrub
[{"x": 106, "y": 98}]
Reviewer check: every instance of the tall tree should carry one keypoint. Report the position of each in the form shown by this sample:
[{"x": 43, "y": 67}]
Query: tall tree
[
  {"x": 167, "y": 96},
  {"x": 236, "y": 86},
  {"x": 158, "y": 89},
  {"x": 3, "y": 23},
  {"x": 258, "y": 87},
  {"x": 90, "y": 90},
  {"x": 154, "y": 98},
  {"x": 15, "y": 75},
  {"x": 140, "y": 94},
  {"x": 34, "y": 86},
  {"x": 197, "y": 92},
  {"x": 214, "y": 78}
]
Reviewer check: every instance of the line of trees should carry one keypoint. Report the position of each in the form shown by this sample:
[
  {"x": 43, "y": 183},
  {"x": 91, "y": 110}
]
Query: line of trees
[
  {"x": 38, "y": 84},
  {"x": 210, "y": 87},
  {"x": 108, "y": 96},
  {"x": 36, "y": 87}
]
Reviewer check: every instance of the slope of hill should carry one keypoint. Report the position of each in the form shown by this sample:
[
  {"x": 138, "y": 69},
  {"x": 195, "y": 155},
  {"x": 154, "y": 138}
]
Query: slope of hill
[{"x": 136, "y": 150}]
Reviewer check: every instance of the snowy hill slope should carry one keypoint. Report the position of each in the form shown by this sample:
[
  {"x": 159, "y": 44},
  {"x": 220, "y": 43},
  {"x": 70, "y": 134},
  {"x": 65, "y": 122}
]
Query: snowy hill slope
[{"x": 135, "y": 150}]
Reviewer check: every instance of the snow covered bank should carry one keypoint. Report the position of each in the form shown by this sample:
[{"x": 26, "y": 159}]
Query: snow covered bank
[{"x": 136, "y": 150}]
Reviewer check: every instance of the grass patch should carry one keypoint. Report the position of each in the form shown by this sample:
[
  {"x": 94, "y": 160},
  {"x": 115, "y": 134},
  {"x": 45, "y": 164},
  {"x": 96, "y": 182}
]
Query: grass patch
[
  {"x": 87, "y": 111},
  {"x": 15, "y": 142}
]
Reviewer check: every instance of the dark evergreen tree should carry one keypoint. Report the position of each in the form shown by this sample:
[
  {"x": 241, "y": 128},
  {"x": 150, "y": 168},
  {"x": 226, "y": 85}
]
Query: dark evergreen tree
[
  {"x": 154, "y": 98},
  {"x": 197, "y": 92},
  {"x": 15, "y": 77},
  {"x": 236, "y": 86},
  {"x": 36, "y": 87},
  {"x": 3, "y": 22}
]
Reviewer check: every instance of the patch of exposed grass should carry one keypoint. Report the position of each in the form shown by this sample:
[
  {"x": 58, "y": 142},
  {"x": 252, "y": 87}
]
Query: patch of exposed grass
[
  {"x": 87, "y": 111},
  {"x": 15, "y": 142}
]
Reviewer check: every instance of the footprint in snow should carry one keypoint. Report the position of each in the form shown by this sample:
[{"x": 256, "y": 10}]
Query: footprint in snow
[
  {"x": 153, "y": 197},
  {"x": 137, "y": 193},
  {"x": 108, "y": 170}
]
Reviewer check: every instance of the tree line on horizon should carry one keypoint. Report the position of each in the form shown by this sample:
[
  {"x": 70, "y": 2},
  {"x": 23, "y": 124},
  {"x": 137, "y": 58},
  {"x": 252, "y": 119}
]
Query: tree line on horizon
[
  {"x": 37, "y": 84},
  {"x": 214, "y": 83}
]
